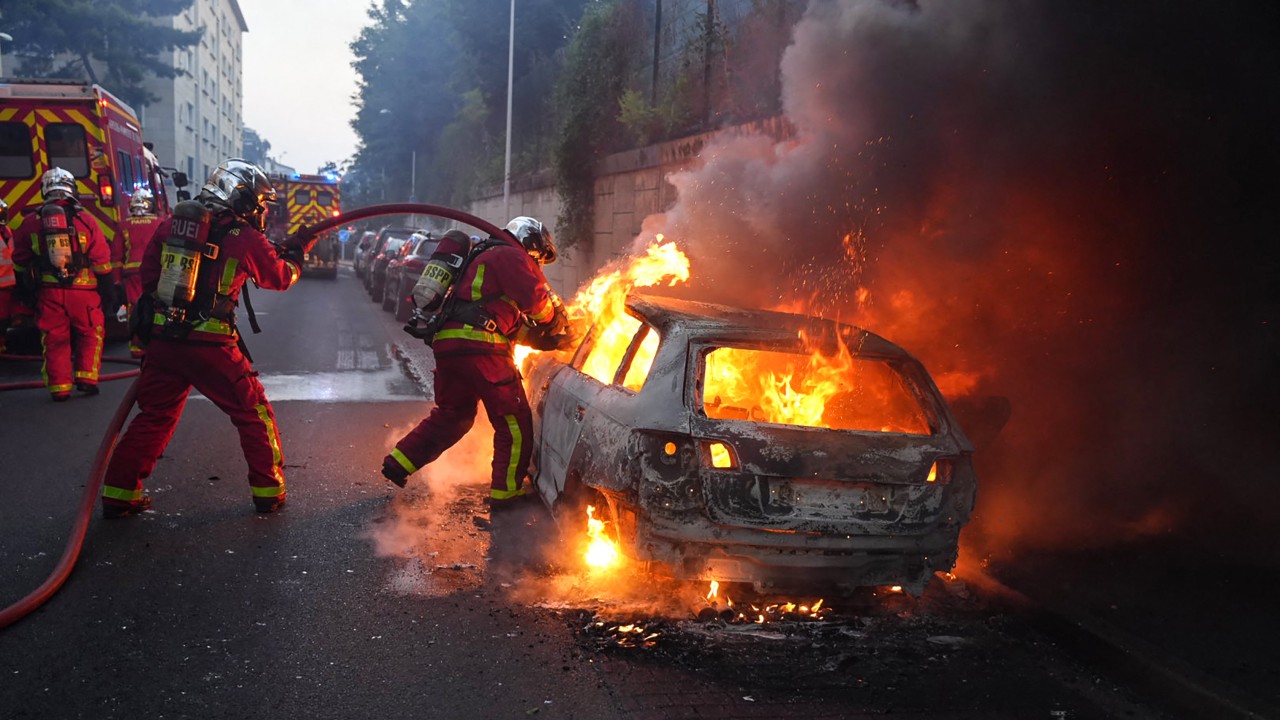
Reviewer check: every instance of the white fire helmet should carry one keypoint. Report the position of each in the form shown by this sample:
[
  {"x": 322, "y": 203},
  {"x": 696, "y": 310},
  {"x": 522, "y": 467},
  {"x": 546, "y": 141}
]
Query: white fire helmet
[
  {"x": 142, "y": 202},
  {"x": 534, "y": 237},
  {"x": 241, "y": 187},
  {"x": 58, "y": 184}
]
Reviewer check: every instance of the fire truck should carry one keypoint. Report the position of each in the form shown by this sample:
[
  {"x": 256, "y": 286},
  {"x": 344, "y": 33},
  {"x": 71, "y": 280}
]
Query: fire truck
[
  {"x": 306, "y": 200},
  {"x": 85, "y": 130}
]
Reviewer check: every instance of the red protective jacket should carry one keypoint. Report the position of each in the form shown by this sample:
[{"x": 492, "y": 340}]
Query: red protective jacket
[
  {"x": 88, "y": 240},
  {"x": 510, "y": 285},
  {"x": 138, "y": 231},
  {"x": 244, "y": 253}
]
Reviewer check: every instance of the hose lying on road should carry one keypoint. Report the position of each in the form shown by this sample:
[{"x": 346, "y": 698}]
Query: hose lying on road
[
  {"x": 26, "y": 605},
  {"x": 34, "y": 384}
]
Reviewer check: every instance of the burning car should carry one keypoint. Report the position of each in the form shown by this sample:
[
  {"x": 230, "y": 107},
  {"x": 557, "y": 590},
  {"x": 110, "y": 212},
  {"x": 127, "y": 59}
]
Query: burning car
[{"x": 753, "y": 446}]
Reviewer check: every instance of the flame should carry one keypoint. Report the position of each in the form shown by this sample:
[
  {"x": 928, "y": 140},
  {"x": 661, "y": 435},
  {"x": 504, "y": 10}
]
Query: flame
[
  {"x": 601, "y": 552},
  {"x": 714, "y": 592},
  {"x": 816, "y": 389},
  {"x": 603, "y": 302}
]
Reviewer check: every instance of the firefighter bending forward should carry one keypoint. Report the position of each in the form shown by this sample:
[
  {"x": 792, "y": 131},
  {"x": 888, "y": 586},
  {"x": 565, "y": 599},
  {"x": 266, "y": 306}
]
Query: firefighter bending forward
[
  {"x": 499, "y": 289},
  {"x": 139, "y": 228},
  {"x": 192, "y": 275},
  {"x": 65, "y": 246}
]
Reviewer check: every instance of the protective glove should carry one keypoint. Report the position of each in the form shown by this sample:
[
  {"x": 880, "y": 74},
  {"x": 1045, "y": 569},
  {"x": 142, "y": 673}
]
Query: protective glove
[{"x": 296, "y": 247}]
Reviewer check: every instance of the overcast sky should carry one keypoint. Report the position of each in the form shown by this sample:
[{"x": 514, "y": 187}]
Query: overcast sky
[{"x": 298, "y": 79}]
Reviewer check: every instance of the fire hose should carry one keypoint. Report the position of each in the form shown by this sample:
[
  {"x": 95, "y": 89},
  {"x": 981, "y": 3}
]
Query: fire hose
[
  {"x": 34, "y": 384},
  {"x": 80, "y": 526}
]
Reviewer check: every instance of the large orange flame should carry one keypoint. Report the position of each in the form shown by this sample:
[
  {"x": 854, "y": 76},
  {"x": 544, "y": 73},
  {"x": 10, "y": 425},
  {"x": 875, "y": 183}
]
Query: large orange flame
[{"x": 601, "y": 553}]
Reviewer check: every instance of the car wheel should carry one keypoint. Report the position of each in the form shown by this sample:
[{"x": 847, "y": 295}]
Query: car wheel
[
  {"x": 404, "y": 308},
  {"x": 377, "y": 290}
]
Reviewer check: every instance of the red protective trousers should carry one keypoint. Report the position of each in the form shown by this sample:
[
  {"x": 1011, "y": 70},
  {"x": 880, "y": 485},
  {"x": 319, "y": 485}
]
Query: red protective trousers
[
  {"x": 460, "y": 382},
  {"x": 224, "y": 376},
  {"x": 70, "y": 322}
]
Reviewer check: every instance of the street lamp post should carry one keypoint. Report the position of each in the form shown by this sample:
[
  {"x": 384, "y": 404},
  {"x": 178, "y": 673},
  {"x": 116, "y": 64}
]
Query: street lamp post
[
  {"x": 511, "y": 63},
  {"x": 6, "y": 37}
]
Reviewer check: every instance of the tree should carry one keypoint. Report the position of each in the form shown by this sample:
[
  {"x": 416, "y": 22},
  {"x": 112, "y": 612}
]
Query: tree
[
  {"x": 256, "y": 147},
  {"x": 77, "y": 38},
  {"x": 588, "y": 94}
]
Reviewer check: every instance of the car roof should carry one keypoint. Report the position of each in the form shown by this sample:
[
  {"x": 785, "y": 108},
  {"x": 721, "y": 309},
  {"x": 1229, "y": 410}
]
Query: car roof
[{"x": 709, "y": 321}]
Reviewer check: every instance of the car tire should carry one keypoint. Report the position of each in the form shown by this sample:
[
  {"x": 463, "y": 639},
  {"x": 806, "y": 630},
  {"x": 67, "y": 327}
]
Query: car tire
[
  {"x": 376, "y": 290},
  {"x": 389, "y": 298},
  {"x": 404, "y": 308}
]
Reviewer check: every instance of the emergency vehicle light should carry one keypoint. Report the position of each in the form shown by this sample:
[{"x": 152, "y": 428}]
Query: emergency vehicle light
[{"x": 107, "y": 188}]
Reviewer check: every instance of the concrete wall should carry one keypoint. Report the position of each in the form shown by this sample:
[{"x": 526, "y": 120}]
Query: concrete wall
[{"x": 629, "y": 187}]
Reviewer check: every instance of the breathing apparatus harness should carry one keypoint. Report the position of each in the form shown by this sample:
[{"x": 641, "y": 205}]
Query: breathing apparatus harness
[
  {"x": 61, "y": 254},
  {"x": 424, "y": 324},
  {"x": 185, "y": 295}
]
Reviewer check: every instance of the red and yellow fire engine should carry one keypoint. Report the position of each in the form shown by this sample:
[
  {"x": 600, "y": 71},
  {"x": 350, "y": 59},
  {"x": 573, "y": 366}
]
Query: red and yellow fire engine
[
  {"x": 306, "y": 200},
  {"x": 84, "y": 130}
]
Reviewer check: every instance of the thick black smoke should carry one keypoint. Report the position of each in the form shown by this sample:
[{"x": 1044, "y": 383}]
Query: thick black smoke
[{"x": 1065, "y": 203}]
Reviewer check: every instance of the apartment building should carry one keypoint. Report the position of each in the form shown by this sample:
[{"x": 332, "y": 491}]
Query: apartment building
[{"x": 198, "y": 120}]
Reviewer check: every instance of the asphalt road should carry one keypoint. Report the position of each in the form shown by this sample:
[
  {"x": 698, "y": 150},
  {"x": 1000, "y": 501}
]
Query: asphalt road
[{"x": 361, "y": 600}]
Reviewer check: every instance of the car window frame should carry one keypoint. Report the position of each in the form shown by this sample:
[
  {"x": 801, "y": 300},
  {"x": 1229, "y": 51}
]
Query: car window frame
[
  {"x": 624, "y": 365},
  {"x": 908, "y": 372}
]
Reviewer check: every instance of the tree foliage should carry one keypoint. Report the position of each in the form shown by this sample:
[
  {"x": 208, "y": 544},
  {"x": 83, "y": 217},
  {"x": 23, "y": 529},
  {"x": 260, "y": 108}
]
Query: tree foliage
[
  {"x": 433, "y": 79},
  {"x": 115, "y": 43},
  {"x": 588, "y": 94},
  {"x": 434, "y": 82}
]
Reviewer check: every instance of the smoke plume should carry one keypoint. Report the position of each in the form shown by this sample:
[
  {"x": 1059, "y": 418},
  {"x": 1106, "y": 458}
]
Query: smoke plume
[{"x": 1061, "y": 203}]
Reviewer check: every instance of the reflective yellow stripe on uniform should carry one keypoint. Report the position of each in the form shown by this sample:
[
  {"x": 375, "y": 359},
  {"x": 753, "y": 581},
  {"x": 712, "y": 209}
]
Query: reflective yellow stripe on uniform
[
  {"x": 477, "y": 283},
  {"x": 228, "y": 275},
  {"x": 469, "y": 333},
  {"x": 82, "y": 279},
  {"x": 116, "y": 493},
  {"x": 273, "y": 436},
  {"x": 513, "y": 466},
  {"x": 544, "y": 313},
  {"x": 104, "y": 268},
  {"x": 404, "y": 461}
]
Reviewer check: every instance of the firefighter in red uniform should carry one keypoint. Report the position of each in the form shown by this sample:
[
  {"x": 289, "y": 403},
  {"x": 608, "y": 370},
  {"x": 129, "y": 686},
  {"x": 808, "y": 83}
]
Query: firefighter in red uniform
[
  {"x": 498, "y": 291},
  {"x": 139, "y": 228},
  {"x": 73, "y": 266},
  {"x": 192, "y": 277},
  {"x": 8, "y": 281}
]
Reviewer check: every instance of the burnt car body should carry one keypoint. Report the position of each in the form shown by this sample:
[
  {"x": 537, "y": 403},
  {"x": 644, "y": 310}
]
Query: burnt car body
[
  {"x": 709, "y": 491},
  {"x": 403, "y": 271}
]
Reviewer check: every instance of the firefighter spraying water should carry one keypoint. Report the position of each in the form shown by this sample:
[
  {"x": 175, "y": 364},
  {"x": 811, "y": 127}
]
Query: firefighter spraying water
[
  {"x": 192, "y": 282},
  {"x": 482, "y": 298}
]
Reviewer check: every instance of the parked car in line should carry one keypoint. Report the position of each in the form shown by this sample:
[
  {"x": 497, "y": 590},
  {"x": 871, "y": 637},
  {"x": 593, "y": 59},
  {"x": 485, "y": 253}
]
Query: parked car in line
[
  {"x": 377, "y": 280},
  {"x": 379, "y": 244},
  {"x": 403, "y": 272},
  {"x": 690, "y": 426},
  {"x": 360, "y": 255}
]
